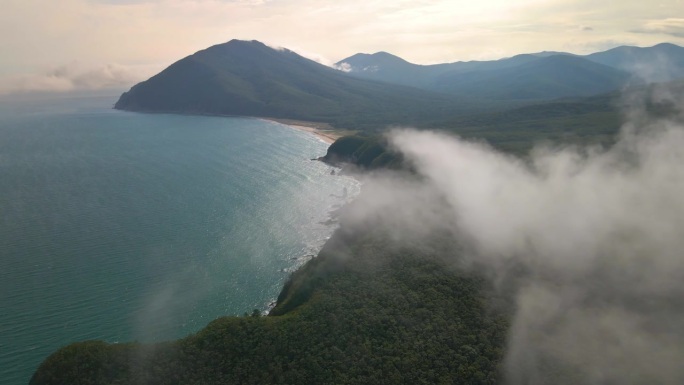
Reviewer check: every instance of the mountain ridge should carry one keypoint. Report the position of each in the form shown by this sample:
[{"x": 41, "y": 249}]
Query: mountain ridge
[
  {"x": 548, "y": 77},
  {"x": 665, "y": 61},
  {"x": 251, "y": 79}
]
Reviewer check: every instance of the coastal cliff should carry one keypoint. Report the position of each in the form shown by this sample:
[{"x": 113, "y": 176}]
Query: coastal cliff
[{"x": 364, "y": 152}]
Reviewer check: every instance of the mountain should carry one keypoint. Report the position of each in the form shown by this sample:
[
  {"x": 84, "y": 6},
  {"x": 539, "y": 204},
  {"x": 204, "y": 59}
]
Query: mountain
[
  {"x": 662, "y": 62},
  {"x": 389, "y": 68},
  {"x": 549, "y": 77},
  {"x": 374, "y": 91},
  {"x": 521, "y": 77},
  {"x": 248, "y": 78},
  {"x": 542, "y": 75}
]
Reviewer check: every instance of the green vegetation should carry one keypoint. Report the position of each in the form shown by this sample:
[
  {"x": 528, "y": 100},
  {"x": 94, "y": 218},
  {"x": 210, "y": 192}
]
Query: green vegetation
[
  {"x": 585, "y": 121},
  {"x": 365, "y": 311},
  {"x": 366, "y": 152},
  {"x": 251, "y": 79},
  {"x": 248, "y": 78}
]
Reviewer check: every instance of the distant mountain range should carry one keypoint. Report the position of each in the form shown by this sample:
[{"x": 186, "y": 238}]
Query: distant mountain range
[
  {"x": 373, "y": 91},
  {"x": 543, "y": 75}
]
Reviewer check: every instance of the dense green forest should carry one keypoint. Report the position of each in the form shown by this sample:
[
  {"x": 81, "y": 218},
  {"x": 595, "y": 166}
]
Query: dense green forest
[
  {"x": 587, "y": 121},
  {"x": 365, "y": 311},
  {"x": 590, "y": 121}
]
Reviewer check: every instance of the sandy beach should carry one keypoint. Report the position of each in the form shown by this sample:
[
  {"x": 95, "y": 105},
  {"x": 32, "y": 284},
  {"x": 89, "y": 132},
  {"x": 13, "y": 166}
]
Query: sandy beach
[
  {"x": 326, "y": 136},
  {"x": 322, "y": 130}
]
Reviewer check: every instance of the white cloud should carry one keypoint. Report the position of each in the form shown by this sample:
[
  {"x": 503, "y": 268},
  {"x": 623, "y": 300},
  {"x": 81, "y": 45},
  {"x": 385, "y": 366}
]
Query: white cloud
[
  {"x": 318, "y": 58},
  {"x": 587, "y": 241},
  {"x": 36, "y": 34},
  {"x": 344, "y": 67},
  {"x": 75, "y": 77}
]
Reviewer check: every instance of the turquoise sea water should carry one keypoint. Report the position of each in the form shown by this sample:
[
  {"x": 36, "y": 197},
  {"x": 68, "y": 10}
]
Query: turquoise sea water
[{"x": 122, "y": 226}]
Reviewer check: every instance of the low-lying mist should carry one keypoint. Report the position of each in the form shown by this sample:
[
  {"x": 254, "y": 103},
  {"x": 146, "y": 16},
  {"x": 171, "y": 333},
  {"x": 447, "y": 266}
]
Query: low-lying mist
[{"x": 589, "y": 240}]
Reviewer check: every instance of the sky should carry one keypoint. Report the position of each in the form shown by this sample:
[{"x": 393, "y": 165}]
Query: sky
[{"x": 89, "y": 44}]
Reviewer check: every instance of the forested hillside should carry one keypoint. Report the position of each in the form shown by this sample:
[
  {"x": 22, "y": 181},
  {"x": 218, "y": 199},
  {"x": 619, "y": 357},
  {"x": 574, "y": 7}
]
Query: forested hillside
[
  {"x": 248, "y": 78},
  {"x": 365, "y": 311}
]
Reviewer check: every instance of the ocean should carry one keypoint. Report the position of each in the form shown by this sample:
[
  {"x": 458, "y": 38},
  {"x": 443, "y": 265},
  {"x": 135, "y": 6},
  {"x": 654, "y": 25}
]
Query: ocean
[{"x": 123, "y": 226}]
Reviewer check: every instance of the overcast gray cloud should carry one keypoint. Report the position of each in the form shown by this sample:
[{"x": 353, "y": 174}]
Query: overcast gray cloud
[
  {"x": 36, "y": 35},
  {"x": 665, "y": 27}
]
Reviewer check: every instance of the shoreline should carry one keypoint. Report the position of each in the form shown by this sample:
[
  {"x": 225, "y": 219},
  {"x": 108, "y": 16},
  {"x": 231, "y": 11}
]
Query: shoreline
[{"x": 322, "y": 131}]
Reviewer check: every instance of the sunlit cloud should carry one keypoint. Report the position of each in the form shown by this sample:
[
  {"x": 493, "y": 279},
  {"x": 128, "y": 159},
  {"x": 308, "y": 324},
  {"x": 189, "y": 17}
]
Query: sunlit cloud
[
  {"x": 76, "y": 77},
  {"x": 670, "y": 26},
  {"x": 35, "y": 34}
]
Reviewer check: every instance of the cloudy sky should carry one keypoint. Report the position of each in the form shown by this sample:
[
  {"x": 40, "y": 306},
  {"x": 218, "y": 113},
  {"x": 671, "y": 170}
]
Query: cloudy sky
[{"x": 73, "y": 44}]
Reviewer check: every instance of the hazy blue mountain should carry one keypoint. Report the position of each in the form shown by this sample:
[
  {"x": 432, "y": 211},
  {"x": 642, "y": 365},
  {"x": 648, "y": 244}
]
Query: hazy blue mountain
[
  {"x": 389, "y": 68},
  {"x": 548, "y": 77},
  {"x": 541, "y": 75},
  {"x": 659, "y": 63},
  {"x": 248, "y": 78}
]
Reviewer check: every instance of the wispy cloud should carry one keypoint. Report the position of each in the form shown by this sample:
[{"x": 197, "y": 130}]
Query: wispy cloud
[
  {"x": 670, "y": 26},
  {"x": 344, "y": 67},
  {"x": 74, "y": 77},
  {"x": 35, "y": 34},
  {"x": 587, "y": 241}
]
